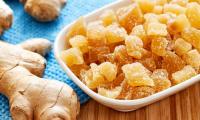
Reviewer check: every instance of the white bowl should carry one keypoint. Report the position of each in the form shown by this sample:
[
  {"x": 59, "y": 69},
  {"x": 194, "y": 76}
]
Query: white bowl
[{"x": 120, "y": 105}]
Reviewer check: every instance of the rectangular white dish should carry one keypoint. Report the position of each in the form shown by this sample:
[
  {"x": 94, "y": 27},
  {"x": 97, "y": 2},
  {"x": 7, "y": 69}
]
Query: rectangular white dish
[{"x": 120, "y": 105}]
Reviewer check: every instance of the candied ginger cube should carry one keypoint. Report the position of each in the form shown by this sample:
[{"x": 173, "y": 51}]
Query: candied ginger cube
[
  {"x": 165, "y": 18},
  {"x": 192, "y": 35},
  {"x": 134, "y": 46},
  {"x": 161, "y": 2},
  {"x": 108, "y": 70},
  {"x": 192, "y": 58},
  {"x": 186, "y": 73},
  {"x": 106, "y": 58},
  {"x": 121, "y": 55},
  {"x": 78, "y": 28},
  {"x": 159, "y": 46},
  {"x": 161, "y": 80},
  {"x": 193, "y": 14},
  {"x": 80, "y": 42},
  {"x": 150, "y": 17},
  {"x": 72, "y": 56},
  {"x": 146, "y": 5},
  {"x": 108, "y": 17},
  {"x": 178, "y": 24},
  {"x": 113, "y": 93},
  {"x": 95, "y": 52},
  {"x": 181, "y": 46},
  {"x": 115, "y": 34},
  {"x": 156, "y": 29},
  {"x": 136, "y": 75},
  {"x": 174, "y": 8},
  {"x": 130, "y": 16},
  {"x": 142, "y": 92},
  {"x": 149, "y": 63},
  {"x": 96, "y": 34},
  {"x": 140, "y": 32},
  {"x": 158, "y": 9},
  {"x": 180, "y": 2},
  {"x": 172, "y": 62}
]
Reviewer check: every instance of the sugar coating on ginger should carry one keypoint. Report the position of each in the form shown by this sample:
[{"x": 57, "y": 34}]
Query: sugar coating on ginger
[{"x": 138, "y": 49}]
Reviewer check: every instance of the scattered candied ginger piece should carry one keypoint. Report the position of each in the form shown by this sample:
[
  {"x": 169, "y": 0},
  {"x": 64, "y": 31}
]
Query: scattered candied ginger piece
[
  {"x": 159, "y": 46},
  {"x": 134, "y": 46},
  {"x": 108, "y": 70},
  {"x": 115, "y": 34},
  {"x": 166, "y": 18},
  {"x": 142, "y": 92},
  {"x": 109, "y": 17},
  {"x": 149, "y": 63},
  {"x": 172, "y": 62},
  {"x": 156, "y": 29},
  {"x": 121, "y": 55},
  {"x": 99, "y": 75},
  {"x": 110, "y": 93},
  {"x": 192, "y": 58},
  {"x": 174, "y": 8},
  {"x": 72, "y": 56},
  {"x": 178, "y": 24},
  {"x": 96, "y": 34},
  {"x": 130, "y": 16},
  {"x": 80, "y": 42},
  {"x": 96, "y": 52},
  {"x": 186, "y": 73},
  {"x": 140, "y": 32},
  {"x": 181, "y": 46},
  {"x": 136, "y": 75},
  {"x": 161, "y": 80},
  {"x": 193, "y": 14},
  {"x": 192, "y": 35},
  {"x": 146, "y": 5},
  {"x": 78, "y": 28}
]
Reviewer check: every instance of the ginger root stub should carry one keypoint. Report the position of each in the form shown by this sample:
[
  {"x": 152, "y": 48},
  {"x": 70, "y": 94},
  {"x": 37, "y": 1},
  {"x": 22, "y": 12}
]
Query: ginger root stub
[{"x": 32, "y": 97}]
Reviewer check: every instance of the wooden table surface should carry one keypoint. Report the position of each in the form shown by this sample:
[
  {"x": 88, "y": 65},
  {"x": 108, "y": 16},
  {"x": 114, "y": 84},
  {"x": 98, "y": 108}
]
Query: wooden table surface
[{"x": 182, "y": 106}]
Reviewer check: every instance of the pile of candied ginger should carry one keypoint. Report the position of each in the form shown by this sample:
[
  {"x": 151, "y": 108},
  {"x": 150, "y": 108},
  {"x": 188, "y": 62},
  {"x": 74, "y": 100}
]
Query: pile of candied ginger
[{"x": 137, "y": 50}]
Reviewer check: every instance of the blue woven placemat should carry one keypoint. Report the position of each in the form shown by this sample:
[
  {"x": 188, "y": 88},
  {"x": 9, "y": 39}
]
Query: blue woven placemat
[{"x": 25, "y": 27}]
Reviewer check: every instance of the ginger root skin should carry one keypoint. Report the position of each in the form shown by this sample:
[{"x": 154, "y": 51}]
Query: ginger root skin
[
  {"x": 32, "y": 97},
  {"x": 43, "y": 10},
  {"x": 6, "y": 16}
]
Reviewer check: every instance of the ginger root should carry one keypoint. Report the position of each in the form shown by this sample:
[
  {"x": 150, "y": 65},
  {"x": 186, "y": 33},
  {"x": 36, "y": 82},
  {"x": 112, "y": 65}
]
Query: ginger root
[
  {"x": 43, "y": 10},
  {"x": 31, "y": 97},
  {"x": 6, "y": 16}
]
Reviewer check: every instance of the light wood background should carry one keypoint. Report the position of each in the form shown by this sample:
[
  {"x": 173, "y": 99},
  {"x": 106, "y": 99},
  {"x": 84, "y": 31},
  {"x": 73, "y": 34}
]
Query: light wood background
[{"x": 182, "y": 106}]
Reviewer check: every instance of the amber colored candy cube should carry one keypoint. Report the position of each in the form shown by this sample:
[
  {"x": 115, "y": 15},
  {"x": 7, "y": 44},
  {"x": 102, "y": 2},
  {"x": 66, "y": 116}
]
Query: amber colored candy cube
[
  {"x": 78, "y": 28},
  {"x": 110, "y": 93},
  {"x": 192, "y": 35},
  {"x": 178, "y": 24},
  {"x": 161, "y": 80},
  {"x": 181, "y": 46},
  {"x": 186, "y": 73},
  {"x": 95, "y": 52},
  {"x": 136, "y": 75},
  {"x": 115, "y": 34},
  {"x": 192, "y": 58},
  {"x": 72, "y": 56},
  {"x": 193, "y": 14},
  {"x": 106, "y": 58},
  {"x": 180, "y": 2},
  {"x": 141, "y": 33},
  {"x": 165, "y": 18},
  {"x": 146, "y": 5},
  {"x": 108, "y": 17},
  {"x": 172, "y": 62},
  {"x": 108, "y": 70},
  {"x": 134, "y": 46},
  {"x": 174, "y": 8},
  {"x": 158, "y": 9},
  {"x": 96, "y": 34},
  {"x": 159, "y": 46},
  {"x": 121, "y": 55},
  {"x": 156, "y": 29},
  {"x": 149, "y": 63},
  {"x": 80, "y": 42},
  {"x": 130, "y": 16}
]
